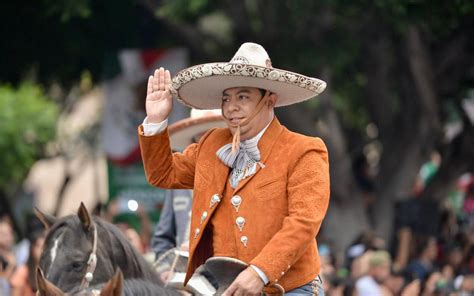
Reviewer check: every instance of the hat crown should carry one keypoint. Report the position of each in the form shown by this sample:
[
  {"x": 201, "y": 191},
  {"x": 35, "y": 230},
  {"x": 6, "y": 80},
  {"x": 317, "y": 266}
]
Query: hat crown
[{"x": 252, "y": 54}]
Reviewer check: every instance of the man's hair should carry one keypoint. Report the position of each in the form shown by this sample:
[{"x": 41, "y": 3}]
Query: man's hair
[
  {"x": 262, "y": 91},
  {"x": 378, "y": 258}
]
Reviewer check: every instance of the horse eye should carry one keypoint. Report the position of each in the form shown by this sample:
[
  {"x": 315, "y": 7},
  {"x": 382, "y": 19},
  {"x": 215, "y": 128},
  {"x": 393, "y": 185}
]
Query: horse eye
[{"x": 77, "y": 265}]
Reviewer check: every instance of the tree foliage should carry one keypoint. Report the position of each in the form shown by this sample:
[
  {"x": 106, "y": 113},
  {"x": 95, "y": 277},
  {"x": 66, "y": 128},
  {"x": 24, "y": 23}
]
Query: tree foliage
[
  {"x": 28, "y": 123},
  {"x": 56, "y": 41}
]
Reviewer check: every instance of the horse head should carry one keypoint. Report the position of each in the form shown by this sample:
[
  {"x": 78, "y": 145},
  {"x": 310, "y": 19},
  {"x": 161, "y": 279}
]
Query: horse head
[
  {"x": 71, "y": 251},
  {"x": 81, "y": 250}
]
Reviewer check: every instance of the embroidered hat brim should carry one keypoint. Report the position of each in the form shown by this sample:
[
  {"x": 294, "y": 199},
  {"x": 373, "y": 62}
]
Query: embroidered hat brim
[
  {"x": 201, "y": 86},
  {"x": 183, "y": 133}
]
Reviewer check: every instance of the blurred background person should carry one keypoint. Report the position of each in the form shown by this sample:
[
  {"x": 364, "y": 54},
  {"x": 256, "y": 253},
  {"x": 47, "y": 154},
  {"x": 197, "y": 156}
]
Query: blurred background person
[
  {"x": 7, "y": 256},
  {"x": 23, "y": 280},
  {"x": 379, "y": 264}
]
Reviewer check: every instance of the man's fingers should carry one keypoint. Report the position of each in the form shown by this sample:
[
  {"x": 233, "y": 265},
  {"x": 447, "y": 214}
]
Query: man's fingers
[
  {"x": 161, "y": 79},
  {"x": 167, "y": 80},
  {"x": 155, "y": 80},
  {"x": 230, "y": 291},
  {"x": 149, "y": 89}
]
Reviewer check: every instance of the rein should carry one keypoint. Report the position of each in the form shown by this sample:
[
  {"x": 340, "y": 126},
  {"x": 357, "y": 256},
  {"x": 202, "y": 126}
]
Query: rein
[{"x": 91, "y": 263}]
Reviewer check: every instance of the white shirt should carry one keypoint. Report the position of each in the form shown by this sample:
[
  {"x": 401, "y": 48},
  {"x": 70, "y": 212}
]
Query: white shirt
[{"x": 367, "y": 286}]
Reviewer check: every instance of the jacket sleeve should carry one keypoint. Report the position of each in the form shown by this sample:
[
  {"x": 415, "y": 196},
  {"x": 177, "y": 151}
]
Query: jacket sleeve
[
  {"x": 164, "y": 237},
  {"x": 308, "y": 199},
  {"x": 163, "y": 168}
]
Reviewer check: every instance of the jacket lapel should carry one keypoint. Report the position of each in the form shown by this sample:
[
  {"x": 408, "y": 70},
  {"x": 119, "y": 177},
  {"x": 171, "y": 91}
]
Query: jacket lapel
[{"x": 220, "y": 171}]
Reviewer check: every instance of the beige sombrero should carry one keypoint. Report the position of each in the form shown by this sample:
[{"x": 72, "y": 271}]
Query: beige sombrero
[
  {"x": 182, "y": 133},
  {"x": 201, "y": 86}
]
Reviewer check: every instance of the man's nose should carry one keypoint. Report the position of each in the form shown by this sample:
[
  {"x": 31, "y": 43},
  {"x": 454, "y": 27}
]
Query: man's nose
[{"x": 233, "y": 105}]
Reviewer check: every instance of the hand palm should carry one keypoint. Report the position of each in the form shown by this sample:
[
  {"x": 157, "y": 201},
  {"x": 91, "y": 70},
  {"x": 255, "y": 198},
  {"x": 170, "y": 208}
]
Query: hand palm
[{"x": 159, "y": 100}]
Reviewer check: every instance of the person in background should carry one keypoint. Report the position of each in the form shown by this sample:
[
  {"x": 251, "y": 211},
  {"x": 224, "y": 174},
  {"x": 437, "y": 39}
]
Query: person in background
[
  {"x": 23, "y": 280},
  {"x": 372, "y": 283},
  {"x": 424, "y": 263},
  {"x": 7, "y": 257}
]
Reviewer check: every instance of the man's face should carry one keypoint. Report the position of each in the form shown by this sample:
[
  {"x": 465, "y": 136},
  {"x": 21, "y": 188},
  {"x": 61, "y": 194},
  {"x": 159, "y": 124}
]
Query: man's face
[
  {"x": 239, "y": 103},
  {"x": 6, "y": 233},
  {"x": 381, "y": 272}
]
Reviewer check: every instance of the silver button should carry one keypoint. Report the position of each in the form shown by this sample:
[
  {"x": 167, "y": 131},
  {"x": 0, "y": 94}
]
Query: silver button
[
  {"x": 244, "y": 240},
  {"x": 196, "y": 232},
  {"x": 236, "y": 201},
  {"x": 240, "y": 221},
  {"x": 214, "y": 200},
  {"x": 282, "y": 273},
  {"x": 203, "y": 216}
]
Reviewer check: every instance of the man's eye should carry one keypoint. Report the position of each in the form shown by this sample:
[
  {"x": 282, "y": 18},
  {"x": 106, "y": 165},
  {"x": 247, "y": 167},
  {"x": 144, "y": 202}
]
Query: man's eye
[
  {"x": 225, "y": 99},
  {"x": 243, "y": 97}
]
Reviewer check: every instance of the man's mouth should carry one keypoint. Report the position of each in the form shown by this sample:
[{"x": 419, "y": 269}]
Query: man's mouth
[{"x": 236, "y": 120}]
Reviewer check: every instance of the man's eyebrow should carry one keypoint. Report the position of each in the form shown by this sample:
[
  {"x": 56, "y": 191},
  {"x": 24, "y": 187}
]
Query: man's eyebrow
[{"x": 239, "y": 92}]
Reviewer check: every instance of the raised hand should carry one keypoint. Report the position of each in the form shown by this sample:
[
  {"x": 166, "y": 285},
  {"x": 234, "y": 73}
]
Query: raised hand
[{"x": 159, "y": 100}]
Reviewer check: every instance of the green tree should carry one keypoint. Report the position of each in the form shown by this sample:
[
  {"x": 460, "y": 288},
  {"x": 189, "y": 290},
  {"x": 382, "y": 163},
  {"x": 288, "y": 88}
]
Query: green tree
[{"x": 27, "y": 123}]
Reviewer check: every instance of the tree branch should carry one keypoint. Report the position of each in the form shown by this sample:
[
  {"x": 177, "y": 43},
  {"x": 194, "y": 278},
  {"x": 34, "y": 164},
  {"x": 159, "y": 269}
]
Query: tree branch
[
  {"x": 422, "y": 72},
  {"x": 198, "y": 41}
]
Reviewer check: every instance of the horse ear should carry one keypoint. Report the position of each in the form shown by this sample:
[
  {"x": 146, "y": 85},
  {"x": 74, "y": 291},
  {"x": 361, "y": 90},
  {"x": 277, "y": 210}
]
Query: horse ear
[
  {"x": 45, "y": 287},
  {"x": 114, "y": 287},
  {"x": 47, "y": 219},
  {"x": 84, "y": 216}
]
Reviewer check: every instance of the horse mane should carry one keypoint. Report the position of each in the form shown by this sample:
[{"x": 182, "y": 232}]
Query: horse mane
[
  {"x": 132, "y": 263},
  {"x": 131, "y": 287},
  {"x": 134, "y": 287}
]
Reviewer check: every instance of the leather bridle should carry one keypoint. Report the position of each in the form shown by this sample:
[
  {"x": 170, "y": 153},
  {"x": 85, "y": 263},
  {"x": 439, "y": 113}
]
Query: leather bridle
[{"x": 91, "y": 263}]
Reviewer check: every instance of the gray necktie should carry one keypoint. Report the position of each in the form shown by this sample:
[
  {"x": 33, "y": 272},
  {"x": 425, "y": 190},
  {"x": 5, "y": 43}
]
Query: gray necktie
[{"x": 243, "y": 162}]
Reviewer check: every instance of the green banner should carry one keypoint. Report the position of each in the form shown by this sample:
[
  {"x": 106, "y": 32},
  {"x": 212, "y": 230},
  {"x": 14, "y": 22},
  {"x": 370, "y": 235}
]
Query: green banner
[{"x": 128, "y": 184}]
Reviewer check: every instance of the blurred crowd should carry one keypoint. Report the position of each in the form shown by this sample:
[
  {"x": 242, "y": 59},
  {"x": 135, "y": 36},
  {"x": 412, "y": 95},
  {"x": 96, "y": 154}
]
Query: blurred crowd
[
  {"x": 18, "y": 261},
  {"x": 431, "y": 253}
]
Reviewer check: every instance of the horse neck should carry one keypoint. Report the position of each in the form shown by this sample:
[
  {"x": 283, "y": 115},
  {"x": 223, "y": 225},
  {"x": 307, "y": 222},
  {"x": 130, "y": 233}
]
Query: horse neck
[
  {"x": 114, "y": 247},
  {"x": 131, "y": 287}
]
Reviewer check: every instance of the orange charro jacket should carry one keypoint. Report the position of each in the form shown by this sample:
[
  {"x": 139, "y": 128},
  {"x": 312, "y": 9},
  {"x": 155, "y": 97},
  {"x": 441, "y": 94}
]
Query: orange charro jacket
[{"x": 284, "y": 202}]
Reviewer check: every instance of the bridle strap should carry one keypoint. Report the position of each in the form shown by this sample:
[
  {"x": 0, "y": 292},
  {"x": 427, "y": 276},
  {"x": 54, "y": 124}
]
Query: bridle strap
[{"x": 91, "y": 263}]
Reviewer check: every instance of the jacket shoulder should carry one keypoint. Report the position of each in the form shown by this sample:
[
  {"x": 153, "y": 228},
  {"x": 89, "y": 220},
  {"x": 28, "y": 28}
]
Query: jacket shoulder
[{"x": 304, "y": 143}]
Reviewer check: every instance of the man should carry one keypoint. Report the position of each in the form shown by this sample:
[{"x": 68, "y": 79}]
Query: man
[
  {"x": 372, "y": 283},
  {"x": 260, "y": 191}
]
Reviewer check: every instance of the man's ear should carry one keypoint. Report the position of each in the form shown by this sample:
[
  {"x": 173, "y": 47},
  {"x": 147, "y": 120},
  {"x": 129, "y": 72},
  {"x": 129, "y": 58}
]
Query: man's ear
[{"x": 272, "y": 98}]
